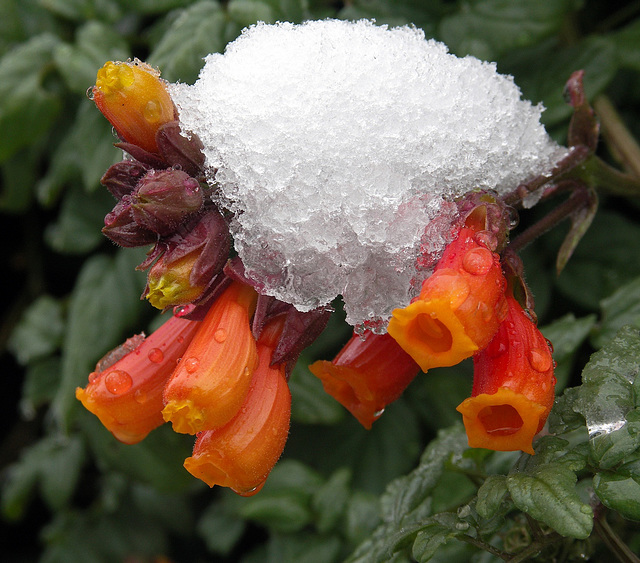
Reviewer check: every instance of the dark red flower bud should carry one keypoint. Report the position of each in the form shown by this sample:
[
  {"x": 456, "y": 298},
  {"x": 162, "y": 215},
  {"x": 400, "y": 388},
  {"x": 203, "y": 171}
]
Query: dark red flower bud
[
  {"x": 164, "y": 198},
  {"x": 121, "y": 227},
  {"x": 122, "y": 178},
  {"x": 179, "y": 150}
]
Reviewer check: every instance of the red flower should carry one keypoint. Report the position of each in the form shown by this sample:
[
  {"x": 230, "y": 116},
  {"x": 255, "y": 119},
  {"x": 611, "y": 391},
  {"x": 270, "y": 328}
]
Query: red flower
[
  {"x": 513, "y": 386},
  {"x": 125, "y": 390},
  {"x": 369, "y": 373},
  {"x": 211, "y": 382},
  {"x": 241, "y": 454},
  {"x": 459, "y": 307}
]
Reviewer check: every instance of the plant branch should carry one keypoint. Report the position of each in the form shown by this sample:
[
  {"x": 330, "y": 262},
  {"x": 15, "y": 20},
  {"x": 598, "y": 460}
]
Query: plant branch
[
  {"x": 578, "y": 199},
  {"x": 613, "y": 542}
]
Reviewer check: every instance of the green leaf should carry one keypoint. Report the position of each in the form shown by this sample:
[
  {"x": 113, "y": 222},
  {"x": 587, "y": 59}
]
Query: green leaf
[
  {"x": 542, "y": 70},
  {"x": 361, "y": 516},
  {"x": 219, "y": 529},
  {"x": 153, "y": 6},
  {"x": 607, "y": 399},
  {"x": 156, "y": 461},
  {"x": 566, "y": 335},
  {"x": 309, "y": 402},
  {"x": 607, "y": 257},
  {"x": 199, "y": 30},
  {"x": 19, "y": 177},
  {"x": 619, "y": 493},
  {"x": 105, "y": 304},
  {"x": 421, "y": 13},
  {"x": 490, "y": 495},
  {"x": 307, "y": 547},
  {"x": 77, "y": 230},
  {"x": 247, "y": 12},
  {"x": 54, "y": 463},
  {"x": 330, "y": 500},
  {"x": 40, "y": 385},
  {"x": 619, "y": 309},
  {"x": 96, "y": 43},
  {"x": 488, "y": 28},
  {"x": 80, "y": 10},
  {"x": 627, "y": 42},
  {"x": 406, "y": 493},
  {"x": 39, "y": 332},
  {"x": 548, "y": 494},
  {"x": 438, "y": 530},
  {"x": 27, "y": 108}
]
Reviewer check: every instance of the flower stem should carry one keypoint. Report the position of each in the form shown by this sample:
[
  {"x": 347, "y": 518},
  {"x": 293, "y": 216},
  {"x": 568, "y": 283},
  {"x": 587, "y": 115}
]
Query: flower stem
[
  {"x": 621, "y": 142},
  {"x": 578, "y": 199},
  {"x": 613, "y": 542}
]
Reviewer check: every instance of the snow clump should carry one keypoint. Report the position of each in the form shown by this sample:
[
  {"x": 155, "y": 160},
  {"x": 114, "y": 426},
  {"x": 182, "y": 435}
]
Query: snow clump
[{"x": 335, "y": 144}]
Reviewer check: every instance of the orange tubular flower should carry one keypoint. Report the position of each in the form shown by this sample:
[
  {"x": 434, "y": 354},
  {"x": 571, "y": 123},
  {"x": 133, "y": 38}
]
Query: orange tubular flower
[
  {"x": 241, "y": 454},
  {"x": 135, "y": 100},
  {"x": 459, "y": 307},
  {"x": 126, "y": 395},
  {"x": 513, "y": 386},
  {"x": 212, "y": 380},
  {"x": 369, "y": 373}
]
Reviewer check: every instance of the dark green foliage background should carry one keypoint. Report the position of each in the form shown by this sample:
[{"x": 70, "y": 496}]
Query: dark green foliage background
[{"x": 401, "y": 492}]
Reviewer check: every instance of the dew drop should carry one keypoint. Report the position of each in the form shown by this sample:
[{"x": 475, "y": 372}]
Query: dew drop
[
  {"x": 152, "y": 111},
  {"x": 478, "y": 261},
  {"x": 486, "y": 238},
  {"x": 539, "y": 359},
  {"x": 180, "y": 339},
  {"x": 92, "y": 376},
  {"x": 220, "y": 335},
  {"x": 191, "y": 364},
  {"x": 118, "y": 382},
  {"x": 110, "y": 219},
  {"x": 140, "y": 397},
  {"x": 89, "y": 92},
  {"x": 378, "y": 413},
  {"x": 156, "y": 356}
]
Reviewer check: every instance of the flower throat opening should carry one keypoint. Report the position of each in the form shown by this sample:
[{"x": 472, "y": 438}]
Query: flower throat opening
[
  {"x": 435, "y": 334},
  {"x": 500, "y": 420}
]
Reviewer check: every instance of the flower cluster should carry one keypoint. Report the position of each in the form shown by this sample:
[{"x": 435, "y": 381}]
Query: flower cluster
[{"x": 218, "y": 368}]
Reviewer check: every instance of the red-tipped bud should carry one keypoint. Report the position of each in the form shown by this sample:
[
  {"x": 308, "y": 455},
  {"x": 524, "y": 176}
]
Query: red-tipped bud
[
  {"x": 125, "y": 390},
  {"x": 121, "y": 227},
  {"x": 369, "y": 373},
  {"x": 459, "y": 307},
  {"x": 210, "y": 383},
  {"x": 163, "y": 199},
  {"x": 122, "y": 178},
  {"x": 179, "y": 150},
  {"x": 135, "y": 100},
  {"x": 241, "y": 454},
  {"x": 513, "y": 386}
]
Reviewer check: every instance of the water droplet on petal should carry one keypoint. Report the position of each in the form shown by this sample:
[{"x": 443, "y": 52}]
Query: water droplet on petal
[
  {"x": 379, "y": 413},
  {"x": 152, "y": 111},
  {"x": 156, "y": 356},
  {"x": 478, "y": 261},
  {"x": 92, "y": 376},
  {"x": 118, "y": 382},
  {"x": 89, "y": 92},
  {"x": 110, "y": 219},
  {"x": 486, "y": 238},
  {"x": 191, "y": 364},
  {"x": 539, "y": 359},
  {"x": 140, "y": 396},
  {"x": 220, "y": 335}
]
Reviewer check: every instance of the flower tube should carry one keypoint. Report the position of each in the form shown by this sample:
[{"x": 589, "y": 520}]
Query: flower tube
[
  {"x": 369, "y": 373},
  {"x": 513, "y": 386},
  {"x": 459, "y": 308},
  {"x": 135, "y": 100},
  {"x": 125, "y": 390},
  {"x": 241, "y": 454},
  {"x": 212, "y": 380}
]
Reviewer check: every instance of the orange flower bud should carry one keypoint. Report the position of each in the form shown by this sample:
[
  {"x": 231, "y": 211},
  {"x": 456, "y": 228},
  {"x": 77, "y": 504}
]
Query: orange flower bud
[
  {"x": 126, "y": 395},
  {"x": 241, "y": 454},
  {"x": 369, "y": 373},
  {"x": 135, "y": 100},
  {"x": 459, "y": 308},
  {"x": 212, "y": 380},
  {"x": 513, "y": 386}
]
